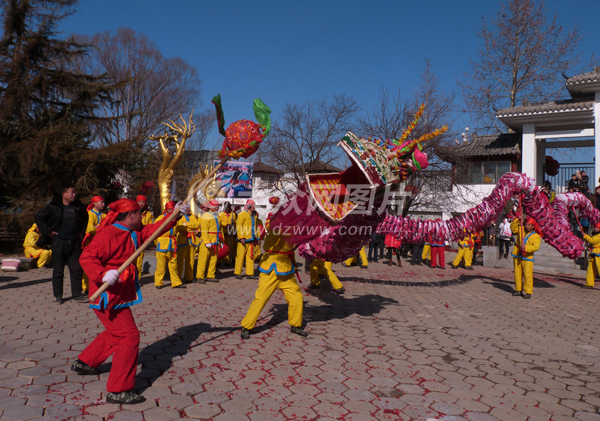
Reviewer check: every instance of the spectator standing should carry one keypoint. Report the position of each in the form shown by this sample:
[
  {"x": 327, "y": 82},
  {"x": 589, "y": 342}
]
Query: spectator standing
[
  {"x": 504, "y": 238},
  {"x": 574, "y": 184},
  {"x": 374, "y": 245},
  {"x": 584, "y": 182},
  {"x": 62, "y": 223}
]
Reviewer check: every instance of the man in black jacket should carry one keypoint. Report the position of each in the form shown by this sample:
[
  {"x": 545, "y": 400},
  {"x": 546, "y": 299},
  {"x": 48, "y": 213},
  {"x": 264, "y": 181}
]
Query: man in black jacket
[{"x": 62, "y": 224}]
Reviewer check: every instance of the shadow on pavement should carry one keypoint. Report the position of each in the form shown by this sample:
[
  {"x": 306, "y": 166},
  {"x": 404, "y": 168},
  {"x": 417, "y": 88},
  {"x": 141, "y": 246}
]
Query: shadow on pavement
[
  {"x": 336, "y": 307},
  {"x": 445, "y": 283},
  {"x": 158, "y": 357},
  {"x": 20, "y": 284}
]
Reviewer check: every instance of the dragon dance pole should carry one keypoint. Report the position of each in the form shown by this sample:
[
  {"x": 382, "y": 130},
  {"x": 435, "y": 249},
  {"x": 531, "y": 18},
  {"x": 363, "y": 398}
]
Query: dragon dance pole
[{"x": 160, "y": 229}]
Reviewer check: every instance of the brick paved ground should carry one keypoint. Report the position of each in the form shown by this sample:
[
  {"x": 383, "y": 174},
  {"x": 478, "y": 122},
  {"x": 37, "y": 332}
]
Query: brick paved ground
[{"x": 412, "y": 343}]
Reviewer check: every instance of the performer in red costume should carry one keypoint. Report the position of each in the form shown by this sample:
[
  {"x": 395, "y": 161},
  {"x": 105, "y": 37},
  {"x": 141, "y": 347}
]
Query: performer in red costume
[{"x": 117, "y": 238}]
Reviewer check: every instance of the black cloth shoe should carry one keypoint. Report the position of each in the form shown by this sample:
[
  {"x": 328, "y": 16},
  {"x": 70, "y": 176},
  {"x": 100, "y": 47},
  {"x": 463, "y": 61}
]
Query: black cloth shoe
[
  {"x": 252, "y": 277},
  {"x": 299, "y": 331},
  {"x": 469, "y": 268},
  {"x": 82, "y": 299},
  {"x": 180, "y": 286},
  {"x": 239, "y": 277},
  {"x": 345, "y": 265},
  {"x": 339, "y": 291},
  {"x": 129, "y": 397},
  {"x": 364, "y": 267},
  {"x": 159, "y": 286},
  {"x": 200, "y": 280},
  {"x": 588, "y": 287},
  {"x": 215, "y": 280},
  {"x": 527, "y": 296},
  {"x": 454, "y": 267},
  {"x": 245, "y": 333},
  {"x": 82, "y": 368},
  {"x": 516, "y": 293},
  {"x": 313, "y": 286},
  {"x": 57, "y": 300}
]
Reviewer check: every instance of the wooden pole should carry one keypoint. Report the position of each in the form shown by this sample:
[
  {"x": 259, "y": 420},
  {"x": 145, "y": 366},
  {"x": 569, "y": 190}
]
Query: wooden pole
[{"x": 159, "y": 231}]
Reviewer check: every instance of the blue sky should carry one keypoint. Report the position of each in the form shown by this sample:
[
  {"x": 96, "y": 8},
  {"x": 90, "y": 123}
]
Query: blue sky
[{"x": 284, "y": 51}]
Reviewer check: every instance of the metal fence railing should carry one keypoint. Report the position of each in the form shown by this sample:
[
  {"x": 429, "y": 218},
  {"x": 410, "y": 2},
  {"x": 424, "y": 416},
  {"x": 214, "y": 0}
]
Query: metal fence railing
[{"x": 561, "y": 180}]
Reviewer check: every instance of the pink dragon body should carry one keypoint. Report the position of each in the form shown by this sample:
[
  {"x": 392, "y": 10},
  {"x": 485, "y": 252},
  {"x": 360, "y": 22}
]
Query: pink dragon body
[{"x": 338, "y": 242}]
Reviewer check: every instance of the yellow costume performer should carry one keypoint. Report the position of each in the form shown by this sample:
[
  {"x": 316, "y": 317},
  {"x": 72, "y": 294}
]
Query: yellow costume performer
[
  {"x": 95, "y": 216},
  {"x": 318, "y": 266},
  {"x": 166, "y": 247},
  {"x": 593, "y": 268},
  {"x": 259, "y": 235},
  {"x": 187, "y": 245},
  {"x": 227, "y": 220},
  {"x": 147, "y": 218},
  {"x": 210, "y": 232},
  {"x": 34, "y": 252},
  {"x": 526, "y": 244},
  {"x": 465, "y": 251},
  {"x": 353, "y": 260},
  {"x": 277, "y": 271},
  {"x": 426, "y": 252},
  {"x": 246, "y": 234}
]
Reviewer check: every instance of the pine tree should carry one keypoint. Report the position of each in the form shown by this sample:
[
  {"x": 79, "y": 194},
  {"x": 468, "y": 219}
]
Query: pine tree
[{"x": 46, "y": 108}]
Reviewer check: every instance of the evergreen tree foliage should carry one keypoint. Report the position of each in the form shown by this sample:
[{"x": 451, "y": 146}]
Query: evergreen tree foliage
[{"x": 46, "y": 108}]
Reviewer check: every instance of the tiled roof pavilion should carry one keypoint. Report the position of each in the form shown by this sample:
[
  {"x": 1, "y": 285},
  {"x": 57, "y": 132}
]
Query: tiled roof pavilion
[{"x": 572, "y": 122}]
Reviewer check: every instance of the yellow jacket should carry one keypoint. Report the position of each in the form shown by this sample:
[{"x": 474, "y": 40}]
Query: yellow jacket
[
  {"x": 466, "y": 242},
  {"x": 147, "y": 217},
  {"x": 225, "y": 220},
  {"x": 168, "y": 240},
  {"x": 94, "y": 219},
  {"x": 278, "y": 256},
  {"x": 29, "y": 243},
  {"x": 532, "y": 241},
  {"x": 209, "y": 224},
  {"x": 186, "y": 227},
  {"x": 260, "y": 229},
  {"x": 246, "y": 226},
  {"x": 594, "y": 242}
]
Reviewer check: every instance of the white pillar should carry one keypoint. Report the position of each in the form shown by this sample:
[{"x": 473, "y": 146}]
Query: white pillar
[
  {"x": 594, "y": 182},
  {"x": 529, "y": 153},
  {"x": 541, "y": 160}
]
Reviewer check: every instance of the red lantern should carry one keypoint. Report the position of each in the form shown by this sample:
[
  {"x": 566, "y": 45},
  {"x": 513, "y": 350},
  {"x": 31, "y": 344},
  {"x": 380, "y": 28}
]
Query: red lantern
[{"x": 274, "y": 200}]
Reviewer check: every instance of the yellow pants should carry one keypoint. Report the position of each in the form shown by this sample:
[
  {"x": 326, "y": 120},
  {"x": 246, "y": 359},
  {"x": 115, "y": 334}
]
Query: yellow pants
[
  {"x": 267, "y": 284},
  {"x": 85, "y": 282},
  {"x": 426, "y": 252},
  {"x": 140, "y": 264},
  {"x": 256, "y": 251},
  {"x": 207, "y": 258},
  {"x": 363, "y": 258},
  {"x": 162, "y": 260},
  {"x": 232, "y": 243},
  {"x": 592, "y": 270},
  {"x": 523, "y": 269},
  {"x": 467, "y": 254},
  {"x": 43, "y": 257},
  {"x": 186, "y": 256},
  {"x": 244, "y": 253},
  {"x": 316, "y": 267}
]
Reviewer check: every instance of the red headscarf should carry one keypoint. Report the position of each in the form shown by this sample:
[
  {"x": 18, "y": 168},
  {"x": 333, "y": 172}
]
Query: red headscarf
[
  {"x": 249, "y": 203},
  {"x": 140, "y": 198},
  {"x": 536, "y": 226},
  {"x": 120, "y": 206},
  {"x": 95, "y": 199},
  {"x": 170, "y": 205},
  {"x": 597, "y": 225}
]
